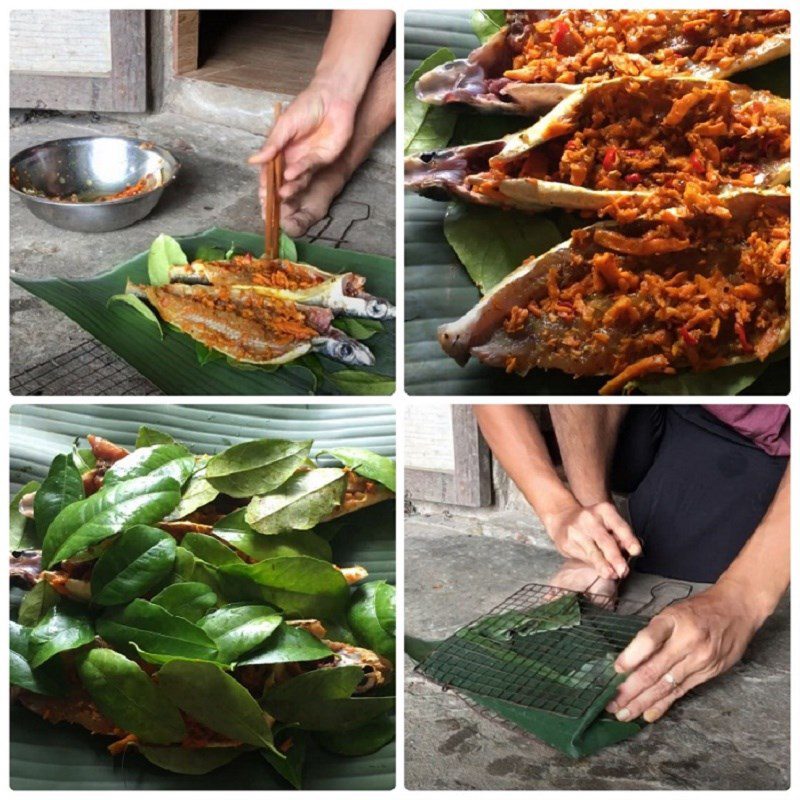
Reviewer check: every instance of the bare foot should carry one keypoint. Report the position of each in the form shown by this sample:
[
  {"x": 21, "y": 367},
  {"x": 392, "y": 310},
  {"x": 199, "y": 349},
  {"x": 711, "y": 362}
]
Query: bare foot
[
  {"x": 578, "y": 576},
  {"x": 311, "y": 203}
]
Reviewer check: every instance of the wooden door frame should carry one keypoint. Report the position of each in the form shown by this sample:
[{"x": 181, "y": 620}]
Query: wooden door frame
[
  {"x": 122, "y": 89},
  {"x": 470, "y": 482}
]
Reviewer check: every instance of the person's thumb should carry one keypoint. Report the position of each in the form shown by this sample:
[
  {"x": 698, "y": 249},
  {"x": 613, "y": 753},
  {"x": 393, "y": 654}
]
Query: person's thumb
[{"x": 284, "y": 131}]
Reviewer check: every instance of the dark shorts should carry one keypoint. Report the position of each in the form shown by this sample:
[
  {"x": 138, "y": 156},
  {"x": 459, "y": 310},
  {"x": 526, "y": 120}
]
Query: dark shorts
[{"x": 697, "y": 489}]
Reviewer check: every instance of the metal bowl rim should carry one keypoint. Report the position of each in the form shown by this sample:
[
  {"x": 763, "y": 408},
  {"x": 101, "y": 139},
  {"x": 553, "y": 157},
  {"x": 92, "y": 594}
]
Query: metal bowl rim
[{"x": 156, "y": 148}]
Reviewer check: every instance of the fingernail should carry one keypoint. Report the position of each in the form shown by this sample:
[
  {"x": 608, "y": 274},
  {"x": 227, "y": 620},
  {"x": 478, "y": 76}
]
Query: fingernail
[
  {"x": 623, "y": 714},
  {"x": 650, "y": 715}
]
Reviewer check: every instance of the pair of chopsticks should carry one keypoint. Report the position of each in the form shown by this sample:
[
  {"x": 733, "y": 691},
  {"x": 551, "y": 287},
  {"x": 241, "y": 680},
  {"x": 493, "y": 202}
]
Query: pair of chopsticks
[{"x": 273, "y": 172}]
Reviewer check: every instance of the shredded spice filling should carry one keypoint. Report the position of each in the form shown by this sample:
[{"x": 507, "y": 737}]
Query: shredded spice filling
[
  {"x": 279, "y": 273},
  {"x": 662, "y": 291},
  {"x": 650, "y": 134},
  {"x": 576, "y": 46}
]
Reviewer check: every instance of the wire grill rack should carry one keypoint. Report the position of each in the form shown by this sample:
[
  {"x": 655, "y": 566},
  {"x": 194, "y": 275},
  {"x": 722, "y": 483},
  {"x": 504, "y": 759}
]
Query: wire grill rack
[
  {"x": 543, "y": 648},
  {"x": 87, "y": 369}
]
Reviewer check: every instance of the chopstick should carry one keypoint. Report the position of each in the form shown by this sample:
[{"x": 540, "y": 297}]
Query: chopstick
[{"x": 272, "y": 205}]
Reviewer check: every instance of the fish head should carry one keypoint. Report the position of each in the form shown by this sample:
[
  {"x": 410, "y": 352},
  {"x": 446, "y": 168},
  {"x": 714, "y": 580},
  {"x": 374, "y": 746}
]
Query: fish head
[
  {"x": 378, "y": 308},
  {"x": 346, "y": 351}
]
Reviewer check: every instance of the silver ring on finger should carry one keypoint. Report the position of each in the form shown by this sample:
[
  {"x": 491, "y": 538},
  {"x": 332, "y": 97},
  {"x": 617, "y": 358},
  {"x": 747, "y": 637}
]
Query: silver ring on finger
[{"x": 670, "y": 679}]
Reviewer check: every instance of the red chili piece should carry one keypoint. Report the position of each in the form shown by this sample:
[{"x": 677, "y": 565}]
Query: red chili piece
[
  {"x": 560, "y": 31},
  {"x": 634, "y": 179},
  {"x": 688, "y": 337},
  {"x": 610, "y": 159},
  {"x": 741, "y": 333},
  {"x": 697, "y": 163}
]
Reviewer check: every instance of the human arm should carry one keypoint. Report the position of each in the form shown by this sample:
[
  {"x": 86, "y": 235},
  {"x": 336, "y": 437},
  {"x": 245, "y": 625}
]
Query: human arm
[
  {"x": 318, "y": 124},
  {"x": 591, "y": 533},
  {"x": 701, "y": 637}
]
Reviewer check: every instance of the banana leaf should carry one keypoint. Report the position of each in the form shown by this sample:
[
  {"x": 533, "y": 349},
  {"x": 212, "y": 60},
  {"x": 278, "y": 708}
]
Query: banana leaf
[
  {"x": 438, "y": 288},
  {"x": 172, "y": 364},
  {"x": 66, "y": 757}
]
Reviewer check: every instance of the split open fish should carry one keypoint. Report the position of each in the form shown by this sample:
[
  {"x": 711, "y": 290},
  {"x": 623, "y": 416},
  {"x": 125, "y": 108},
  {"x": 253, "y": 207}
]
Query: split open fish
[
  {"x": 628, "y": 300},
  {"x": 624, "y": 137},
  {"x": 288, "y": 280},
  {"x": 252, "y": 327},
  {"x": 540, "y": 57}
]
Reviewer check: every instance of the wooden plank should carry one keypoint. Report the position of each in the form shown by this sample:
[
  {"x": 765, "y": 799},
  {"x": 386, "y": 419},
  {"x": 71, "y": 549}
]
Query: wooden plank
[
  {"x": 186, "y": 44},
  {"x": 470, "y": 482},
  {"x": 125, "y": 89}
]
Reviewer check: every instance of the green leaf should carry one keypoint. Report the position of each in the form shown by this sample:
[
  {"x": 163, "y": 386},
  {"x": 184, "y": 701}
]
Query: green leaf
[
  {"x": 197, "y": 493},
  {"x": 361, "y": 329},
  {"x": 57, "y": 632},
  {"x": 216, "y": 700},
  {"x": 141, "y": 558},
  {"x": 83, "y": 457},
  {"x": 287, "y": 644},
  {"x": 190, "y": 600},
  {"x": 47, "y": 680},
  {"x": 352, "y": 381},
  {"x": 385, "y": 607},
  {"x": 362, "y": 617},
  {"x": 299, "y": 585},
  {"x": 138, "y": 501},
  {"x": 367, "y": 463},
  {"x": 256, "y": 467},
  {"x": 158, "y": 460},
  {"x": 147, "y": 437},
  {"x": 164, "y": 253},
  {"x": 492, "y": 242},
  {"x": 127, "y": 696},
  {"x": 155, "y": 632},
  {"x": 141, "y": 308},
  {"x": 237, "y": 629},
  {"x": 486, "y": 23},
  {"x": 21, "y": 529},
  {"x": 288, "y": 765},
  {"x": 210, "y": 252},
  {"x": 287, "y": 248},
  {"x": 62, "y": 486},
  {"x": 191, "y": 761},
  {"x": 36, "y": 603},
  {"x": 205, "y": 355},
  {"x": 237, "y": 533},
  {"x": 302, "y": 502},
  {"x": 321, "y": 700},
  {"x": 426, "y": 127},
  {"x": 209, "y": 549},
  {"x": 361, "y": 741}
]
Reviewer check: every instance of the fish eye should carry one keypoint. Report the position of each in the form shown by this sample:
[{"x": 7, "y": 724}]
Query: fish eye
[
  {"x": 376, "y": 309},
  {"x": 345, "y": 350}
]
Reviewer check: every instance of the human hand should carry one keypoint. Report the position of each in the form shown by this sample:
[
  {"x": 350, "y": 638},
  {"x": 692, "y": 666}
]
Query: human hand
[
  {"x": 596, "y": 535},
  {"x": 312, "y": 133},
  {"x": 683, "y": 646},
  {"x": 578, "y": 576}
]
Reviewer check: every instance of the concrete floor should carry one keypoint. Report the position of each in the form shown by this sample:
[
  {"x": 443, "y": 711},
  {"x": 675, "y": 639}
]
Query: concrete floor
[
  {"x": 731, "y": 733},
  {"x": 216, "y": 187}
]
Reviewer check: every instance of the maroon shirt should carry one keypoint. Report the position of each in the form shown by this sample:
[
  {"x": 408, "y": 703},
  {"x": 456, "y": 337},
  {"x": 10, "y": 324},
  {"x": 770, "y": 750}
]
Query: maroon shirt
[{"x": 766, "y": 426}]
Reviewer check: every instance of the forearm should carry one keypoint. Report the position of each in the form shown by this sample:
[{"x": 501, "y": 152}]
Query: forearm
[
  {"x": 517, "y": 443},
  {"x": 587, "y": 437},
  {"x": 351, "y": 51},
  {"x": 760, "y": 573},
  {"x": 375, "y": 114}
]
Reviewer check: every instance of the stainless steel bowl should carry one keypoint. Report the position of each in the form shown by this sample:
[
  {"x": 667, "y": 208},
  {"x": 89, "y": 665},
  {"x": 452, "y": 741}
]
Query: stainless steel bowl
[{"x": 83, "y": 169}]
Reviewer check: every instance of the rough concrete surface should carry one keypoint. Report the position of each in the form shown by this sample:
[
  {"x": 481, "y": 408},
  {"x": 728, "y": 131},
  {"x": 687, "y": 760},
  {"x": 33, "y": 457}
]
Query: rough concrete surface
[
  {"x": 731, "y": 733},
  {"x": 215, "y": 187}
]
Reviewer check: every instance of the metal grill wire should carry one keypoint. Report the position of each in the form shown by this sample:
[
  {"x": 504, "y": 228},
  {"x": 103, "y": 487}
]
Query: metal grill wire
[
  {"x": 544, "y": 648},
  {"x": 86, "y": 369}
]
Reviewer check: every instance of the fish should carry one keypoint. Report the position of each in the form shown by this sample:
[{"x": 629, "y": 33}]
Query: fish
[
  {"x": 542, "y": 56},
  {"x": 250, "y": 327},
  {"x": 653, "y": 294},
  {"x": 288, "y": 280},
  {"x": 622, "y": 138}
]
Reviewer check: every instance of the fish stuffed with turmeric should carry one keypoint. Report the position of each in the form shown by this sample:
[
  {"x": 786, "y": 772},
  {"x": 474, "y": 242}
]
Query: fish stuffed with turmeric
[
  {"x": 622, "y": 137},
  {"x": 288, "y": 280},
  {"x": 540, "y": 57},
  {"x": 183, "y": 606},
  {"x": 695, "y": 285},
  {"x": 250, "y": 326}
]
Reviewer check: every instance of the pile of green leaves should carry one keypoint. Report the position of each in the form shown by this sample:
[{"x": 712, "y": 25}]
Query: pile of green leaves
[
  {"x": 492, "y": 242},
  {"x": 165, "y": 252},
  {"x": 156, "y": 628}
]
